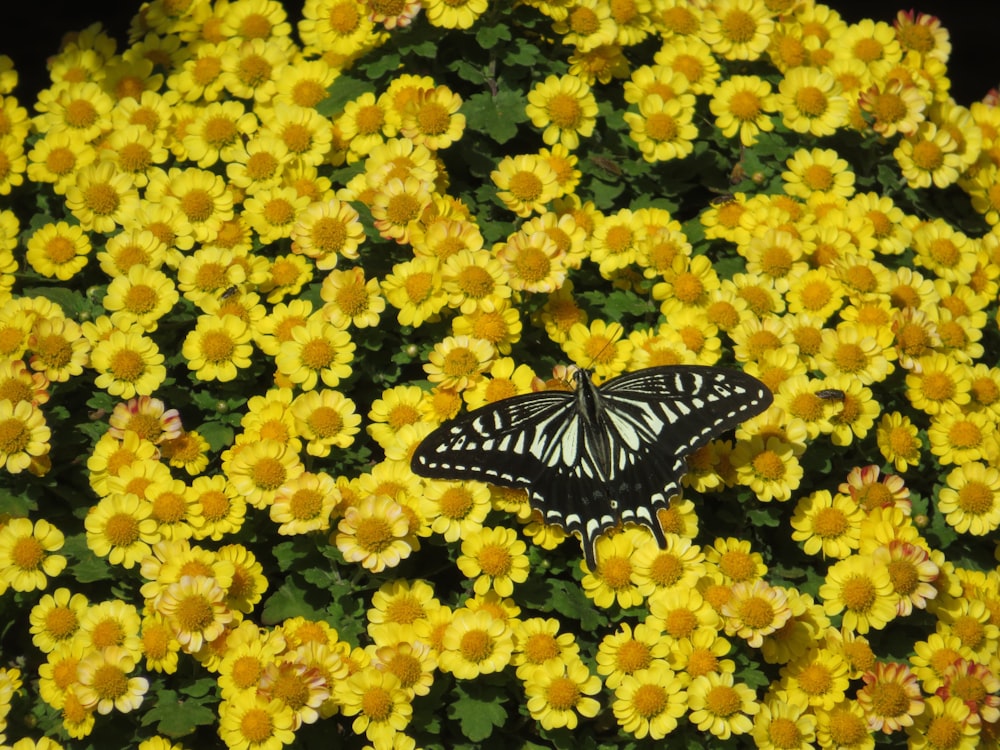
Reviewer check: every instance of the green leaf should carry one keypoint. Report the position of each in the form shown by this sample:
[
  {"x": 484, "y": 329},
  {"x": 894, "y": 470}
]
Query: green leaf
[
  {"x": 289, "y": 601},
  {"x": 489, "y": 36},
  {"x": 177, "y": 717},
  {"x": 496, "y": 116},
  {"x": 88, "y": 566},
  {"x": 218, "y": 435},
  {"x": 345, "y": 89},
  {"x": 16, "y": 503},
  {"x": 479, "y": 709}
]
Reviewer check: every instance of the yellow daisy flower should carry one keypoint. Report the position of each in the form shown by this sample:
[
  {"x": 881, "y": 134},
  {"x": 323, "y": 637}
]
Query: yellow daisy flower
[
  {"x": 218, "y": 348},
  {"x": 317, "y": 351},
  {"x": 58, "y": 250},
  {"x": 375, "y": 533},
  {"x": 741, "y": 105},
  {"x": 121, "y": 528},
  {"x": 526, "y": 184},
  {"x": 24, "y": 436},
  {"x": 565, "y": 108},
  {"x": 559, "y": 693},
  {"x": 26, "y": 559}
]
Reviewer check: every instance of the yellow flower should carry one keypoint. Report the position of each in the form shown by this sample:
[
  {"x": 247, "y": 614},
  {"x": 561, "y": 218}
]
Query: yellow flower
[
  {"x": 862, "y": 591},
  {"x": 141, "y": 296},
  {"x": 755, "y": 610},
  {"x": 649, "y": 702},
  {"x": 146, "y": 417},
  {"x": 475, "y": 643},
  {"x": 375, "y": 533},
  {"x": 784, "y": 724},
  {"x": 195, "y": 608},
  {"x": 662, "y": 129},
  {"x": 58, "y": 348},
  {"x": 216, "y": 508},
  {"x": 820, "y": 678},
  {"x": 526, "y": 184},
  {"x": 496, "y": 558},
  {"x": 597, "y": 347},
  {"x": 414, "y": 288},
  {"x": 531, "y": 262},
  {"x": 559, "y": 693},
  {"x": 378, "y": 701},
  {"x": 459, "y": 362},
  {"x": 741, "y": 105},
  {"x": 58, "y": 250},
  {"x": 738, "y": 29},
  {"x": 26, "y": 558},
  {"x": 565, "y": 108},
  {"x": 55, "y": 619},
  {"x": 121, "y": 528},
  {"x": 844, "y": 726},
  {"x": 811, "y": 101},
  {"x": 218, "y": 347},
  {"x": 80, "y": 108},
  {"x": 201, "y": 200},
  {"x": 721, "y": 706},
  {"x": 105, "y": 684},
  {"x": 827, "y": 524},
  {"x": 770, "y": 468},
  {"x": 891, "y": 697},
  {"x": 450, "y": 14},
  {"x": 971, "y": 500},
  {"x": 318, "y": 351},
  {"x": 102, "y": 198},
  {"x": 352, "y": 300},
  {"x": 259, "y": 469},
  {"x": 896, "y": 107},
  {"x": 818, "y": 171},
  {"x": 24, "y": 436},
  {"x": 397, "y": 207},
  {"x": 249, "y": 721}
]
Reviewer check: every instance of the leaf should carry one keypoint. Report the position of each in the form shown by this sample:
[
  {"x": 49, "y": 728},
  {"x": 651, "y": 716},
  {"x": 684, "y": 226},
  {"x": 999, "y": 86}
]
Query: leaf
[
  {"x": 287, "y": 602},
  {"x": 177, "y": 717},
  {"x": 345, "y": 89},
  {"x": 479, "y": 710},
  {"x": 497, "y": 116},
  {"x": 489, "y": 36},
  {"x": 16, "y": 504},
  {"x": 88, "y": 566},
  {"x": 218, "y": 435}
]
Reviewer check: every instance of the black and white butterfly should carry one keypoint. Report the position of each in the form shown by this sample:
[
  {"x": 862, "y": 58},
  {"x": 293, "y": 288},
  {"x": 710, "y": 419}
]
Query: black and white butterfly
[{"x": 597, "y": 456}]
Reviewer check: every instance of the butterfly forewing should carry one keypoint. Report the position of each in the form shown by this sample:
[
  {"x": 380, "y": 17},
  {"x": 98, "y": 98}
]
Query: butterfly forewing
[{"x": 603, "y": 455}]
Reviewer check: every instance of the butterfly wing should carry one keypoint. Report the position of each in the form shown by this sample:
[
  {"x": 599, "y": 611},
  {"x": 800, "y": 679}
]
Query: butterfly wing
[{"x": 503, "y": 443}]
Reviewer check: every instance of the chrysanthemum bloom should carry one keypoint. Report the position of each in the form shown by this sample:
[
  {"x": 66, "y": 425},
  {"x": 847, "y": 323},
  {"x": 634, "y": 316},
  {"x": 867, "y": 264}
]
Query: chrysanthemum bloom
[
  {"x": 200, "y": 196},
  {"x": 565, "y": 107},
  {"x": 537, "y": 642},
  {"x": 26, "y": 558},
  {"x": 318, "y": 351},
  {"x": 558, "y": 694},
  {"x": 475, "y": 643},
  {"x": 102, "y": 198},
  {"x": 721, "y": 706},
  {"x": 649, "y": 702},
  {"x": 755, "y": 610},
  {"x": 936, "y": 382},
  {"x": 818, "y": 171},
  {"x": 613, "y": 580},
  {"x": 218, "y": 348},
  {"x": 400, "y": 602},
  {"x": 819, "y": 678},
  {"x": 121, "y": 528},
  {"x": 249, "y": 720},
  {"x": 891, "y": 697},
  {"x": 827, "y": 524},
  {"x": 598, "y": 346},
  {"x": 770, "y": 469},
  {"x": 844, "y": 726},
  {"x": 55, "y": 619},
  {"x": 971, "y": 500},
  {"x": 24, "y": 436},
  {"x": 458, "y": 362},
  {"x": 663, "y": 130},
  {"x": 375, "y": 533},
  {"x": 195, "y": 607},
  {"x": 495, "y": 558},
  {"x": 784, "y": 723},
  {"x": 976, "y": 685},
  {"x": 741, "y": 105},
  {"x": 377, "y": 700},
  {"x": 629, "y": 650},
  {"x": 862, "y": 591},
  {"x": 738, "y": 29},
  {"x": 304, "y": 504},
  {"x": 456, "y": 510},
  {"x": 105, "y": 684},
  {"x": 898, "y": 440},
  {"x": 58, "y": 250},
  {"x": 679, "y": 613},
  {"x": 259, "y": 469},
  {"x": 148, "y": 418},
  {"x": 58, "y": 348},
  {"x": 128, "y": 364},
  {"x": 414, "y": 288},
  {"x": 897, "y": 107},
  {"x": 526, "y": 184}
]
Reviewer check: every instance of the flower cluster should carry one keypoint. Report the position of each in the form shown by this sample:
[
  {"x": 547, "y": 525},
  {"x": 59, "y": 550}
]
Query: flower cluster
[{"x": 244, "y": 274}]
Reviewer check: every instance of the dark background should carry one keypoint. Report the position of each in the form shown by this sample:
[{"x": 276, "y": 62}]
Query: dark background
[{"x": 30, "y": 31}]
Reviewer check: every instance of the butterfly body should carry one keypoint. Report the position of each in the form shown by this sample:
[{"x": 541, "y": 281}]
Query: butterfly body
[{"x": 597, "y": 456}]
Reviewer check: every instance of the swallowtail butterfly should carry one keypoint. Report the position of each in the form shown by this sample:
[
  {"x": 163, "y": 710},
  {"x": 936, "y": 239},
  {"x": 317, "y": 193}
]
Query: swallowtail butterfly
[{"x": 599, "y": 455}]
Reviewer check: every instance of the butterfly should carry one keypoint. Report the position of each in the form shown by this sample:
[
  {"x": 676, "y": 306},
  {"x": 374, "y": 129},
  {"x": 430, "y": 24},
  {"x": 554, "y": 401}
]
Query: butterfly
[{"x": 599, "y": 455}]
